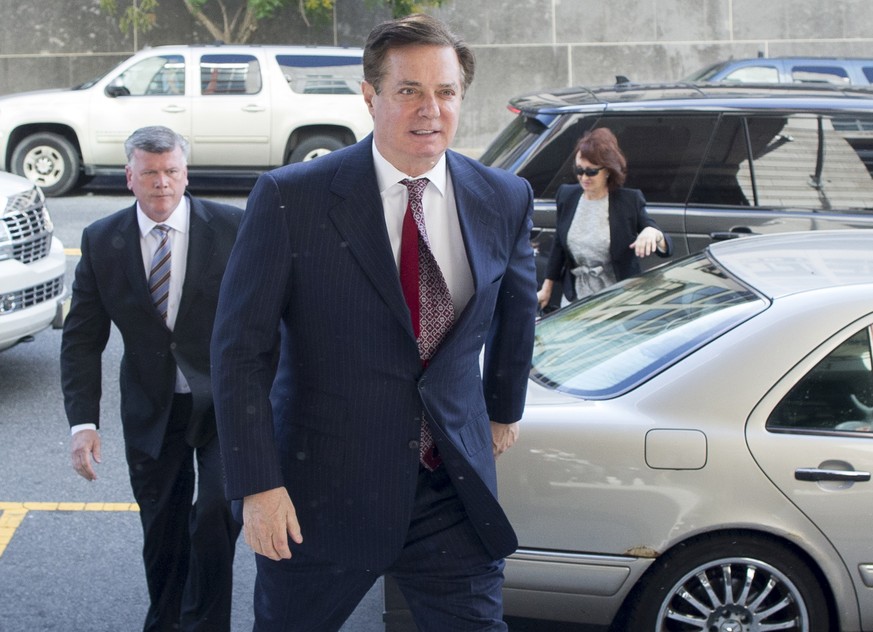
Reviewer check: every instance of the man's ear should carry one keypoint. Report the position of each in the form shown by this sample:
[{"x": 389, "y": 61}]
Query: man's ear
[{"x": 369, "y": 92}]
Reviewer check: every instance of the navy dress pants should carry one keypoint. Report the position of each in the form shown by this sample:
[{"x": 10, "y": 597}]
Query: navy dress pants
[{"x": 447, "y": 577}]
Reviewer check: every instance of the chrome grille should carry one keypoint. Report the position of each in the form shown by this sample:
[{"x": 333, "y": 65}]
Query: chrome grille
[
  {"x": 28, "y": 297},
  {"x": 28, "y": 226}
]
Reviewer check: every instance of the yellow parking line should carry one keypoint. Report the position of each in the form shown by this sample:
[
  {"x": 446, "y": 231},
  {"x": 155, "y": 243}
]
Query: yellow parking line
[
  {"x": 12, "y": 514},
  {"x": 75, "y": 252}
]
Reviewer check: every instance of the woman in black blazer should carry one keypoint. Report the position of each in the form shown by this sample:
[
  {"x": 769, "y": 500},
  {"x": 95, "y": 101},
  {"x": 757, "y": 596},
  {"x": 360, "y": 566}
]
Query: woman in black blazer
[{"x": 601, "y": 229}]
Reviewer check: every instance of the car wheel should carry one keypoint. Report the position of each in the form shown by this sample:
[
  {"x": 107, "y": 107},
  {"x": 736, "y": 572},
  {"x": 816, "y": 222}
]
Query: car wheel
[
  {"x": 315, "y": 147},
  {"x": 49, "y": 160},
  {"x": 736, "y": 583}
]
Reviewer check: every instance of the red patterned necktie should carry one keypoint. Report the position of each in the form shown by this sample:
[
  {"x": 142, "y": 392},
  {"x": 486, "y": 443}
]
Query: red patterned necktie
[{"x": 427, "y": 295}]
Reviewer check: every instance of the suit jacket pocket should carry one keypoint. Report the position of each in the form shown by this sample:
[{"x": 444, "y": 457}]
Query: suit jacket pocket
[{"x": 476, "y": 434}]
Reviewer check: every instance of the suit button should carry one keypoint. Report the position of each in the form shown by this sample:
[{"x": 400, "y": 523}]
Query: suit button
[
  {"x": 173, "y": 346},
  {"x": 413, "y": 445}
]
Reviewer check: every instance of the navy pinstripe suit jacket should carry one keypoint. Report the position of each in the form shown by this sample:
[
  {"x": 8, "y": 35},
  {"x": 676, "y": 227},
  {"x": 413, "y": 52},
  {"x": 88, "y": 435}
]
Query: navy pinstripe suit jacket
[{"x": 313, "y": 272}]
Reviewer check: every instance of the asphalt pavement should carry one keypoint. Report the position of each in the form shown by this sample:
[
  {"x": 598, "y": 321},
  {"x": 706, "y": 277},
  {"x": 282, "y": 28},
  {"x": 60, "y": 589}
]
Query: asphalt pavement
[{"x": 70, "y": 549}]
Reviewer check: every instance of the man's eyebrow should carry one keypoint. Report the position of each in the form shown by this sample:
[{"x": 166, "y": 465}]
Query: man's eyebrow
[{"x": 416, "y": 84}]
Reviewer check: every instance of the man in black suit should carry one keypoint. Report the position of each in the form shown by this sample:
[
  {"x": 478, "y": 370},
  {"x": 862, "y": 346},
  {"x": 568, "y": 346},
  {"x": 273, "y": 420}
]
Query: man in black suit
[
  {"x": 154, "y": 271},
  {"x": 382, "y": 269}
]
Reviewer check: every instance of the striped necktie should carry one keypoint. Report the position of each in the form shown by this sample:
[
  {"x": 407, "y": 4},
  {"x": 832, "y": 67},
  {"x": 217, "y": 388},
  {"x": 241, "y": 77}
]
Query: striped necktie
[{"x": 159, "y": 274}]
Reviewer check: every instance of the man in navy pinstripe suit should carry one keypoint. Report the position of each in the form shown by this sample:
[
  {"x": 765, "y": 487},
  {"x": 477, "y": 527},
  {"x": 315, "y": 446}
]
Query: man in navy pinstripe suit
[{"x": 323, "y": 451}]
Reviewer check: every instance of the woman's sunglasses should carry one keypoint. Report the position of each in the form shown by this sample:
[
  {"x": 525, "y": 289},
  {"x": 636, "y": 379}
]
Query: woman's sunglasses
[{"x": 587, "y": 171}]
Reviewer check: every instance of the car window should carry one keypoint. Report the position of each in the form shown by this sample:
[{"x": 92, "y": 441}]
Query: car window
[
  {"x": 159, "y": 75},
  {"x": 550, "y": 162},
  {"x": 819, "y": 74},
  {"x": 754, "y": 74},
  {"x": 605, "y": 345},
  {"x": 836, "y": 395},
  {"x": 322, "y": 74},
  {"x": 663, "y": 153},
  {"x": 229, "y": 74},
  {"x": 803, "y": 161},
  {"x": 868, "y": 73}
]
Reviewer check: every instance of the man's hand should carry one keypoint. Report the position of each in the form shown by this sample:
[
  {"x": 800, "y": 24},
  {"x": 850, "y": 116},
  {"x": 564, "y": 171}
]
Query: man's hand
[
  {"x": 268, "y": 519},
  {"x": 503, "y": 437},
  {"x": 85, "y": 446}
]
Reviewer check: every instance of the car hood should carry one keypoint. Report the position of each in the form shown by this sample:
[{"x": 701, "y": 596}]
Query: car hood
[{"x": 37, "y": 96}]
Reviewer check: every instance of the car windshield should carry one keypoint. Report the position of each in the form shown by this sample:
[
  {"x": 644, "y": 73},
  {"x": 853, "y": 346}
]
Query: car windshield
[{"x": 609, "y": 343}]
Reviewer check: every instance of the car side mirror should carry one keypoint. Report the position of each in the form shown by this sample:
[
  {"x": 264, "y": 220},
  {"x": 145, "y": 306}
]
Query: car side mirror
[{"x": 113, "y": 91}]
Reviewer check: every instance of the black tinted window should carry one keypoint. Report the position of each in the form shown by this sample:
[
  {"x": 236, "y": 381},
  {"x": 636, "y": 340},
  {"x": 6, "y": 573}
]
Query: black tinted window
[
  {"x": 868, "y": 72},
  {"x": 663, "y": 152},
  {"x": 836, "y": 395},
  {"x": 803, "y": 161},
  {"x": 550, "y": 162}
]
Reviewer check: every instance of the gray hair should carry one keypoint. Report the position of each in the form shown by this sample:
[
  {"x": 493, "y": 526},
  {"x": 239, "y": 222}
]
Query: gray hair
[{"x": 155, "y": 139}]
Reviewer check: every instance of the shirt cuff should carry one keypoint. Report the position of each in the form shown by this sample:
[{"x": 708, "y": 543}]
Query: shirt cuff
[{"x": 80, "y": 427}]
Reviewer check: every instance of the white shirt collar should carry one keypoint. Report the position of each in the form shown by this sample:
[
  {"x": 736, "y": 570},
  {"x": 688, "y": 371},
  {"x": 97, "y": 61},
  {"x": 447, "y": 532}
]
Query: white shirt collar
[
  {"x": 178, "y": 219},
  {"x": 388, "y": 175}
]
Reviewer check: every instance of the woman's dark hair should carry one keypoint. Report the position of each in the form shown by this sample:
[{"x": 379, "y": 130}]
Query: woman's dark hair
[
  {"x": 600, "y": 147},
  {"x": 413, "y": 30}
]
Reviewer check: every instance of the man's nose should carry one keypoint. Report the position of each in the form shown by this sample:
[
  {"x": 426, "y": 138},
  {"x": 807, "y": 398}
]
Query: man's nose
[{"x": 429, "y": 107}]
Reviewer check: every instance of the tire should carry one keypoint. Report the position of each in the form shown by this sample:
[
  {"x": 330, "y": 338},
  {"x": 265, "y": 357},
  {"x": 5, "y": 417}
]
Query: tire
[
  {"x": 672, "y": 596},
  {"x": 314, "y": 147},
  {"x": 49, "y": 160}
]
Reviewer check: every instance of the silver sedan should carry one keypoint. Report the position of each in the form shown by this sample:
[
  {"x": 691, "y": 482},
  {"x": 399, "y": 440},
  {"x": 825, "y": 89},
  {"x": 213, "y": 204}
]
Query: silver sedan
[{"x": 696, "y": 449}]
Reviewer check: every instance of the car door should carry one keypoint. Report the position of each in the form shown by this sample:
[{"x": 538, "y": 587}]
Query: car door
[
  {"x": 774, "y": 173},
  {"x": 149, "y": 91},
  {"x": 231, "y": 113},
  {"x": 813, "y": 437}
]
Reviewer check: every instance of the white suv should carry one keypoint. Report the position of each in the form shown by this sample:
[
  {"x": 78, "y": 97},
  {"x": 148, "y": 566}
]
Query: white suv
[
  {"x": 33, "y": 295},
  {"x": 244, "y": 109}
]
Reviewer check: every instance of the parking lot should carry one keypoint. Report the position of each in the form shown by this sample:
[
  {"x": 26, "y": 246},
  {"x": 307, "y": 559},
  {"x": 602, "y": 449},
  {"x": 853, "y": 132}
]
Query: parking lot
[{"x": 70, "y": 549}]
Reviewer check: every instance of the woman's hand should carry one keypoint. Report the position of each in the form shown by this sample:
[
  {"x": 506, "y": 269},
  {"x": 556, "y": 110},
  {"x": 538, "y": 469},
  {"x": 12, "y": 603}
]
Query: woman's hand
[
  {"x": 648, "y": 241},
  {"x": 545, "y": 293}
]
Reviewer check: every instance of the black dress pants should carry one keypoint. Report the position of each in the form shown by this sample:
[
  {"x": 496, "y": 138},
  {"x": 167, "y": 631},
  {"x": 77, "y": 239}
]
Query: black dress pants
[{"x": 188, "y": 540}]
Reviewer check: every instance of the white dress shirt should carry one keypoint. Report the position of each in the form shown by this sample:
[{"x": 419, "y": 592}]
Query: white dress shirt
[{"x": 440, "y": 218}]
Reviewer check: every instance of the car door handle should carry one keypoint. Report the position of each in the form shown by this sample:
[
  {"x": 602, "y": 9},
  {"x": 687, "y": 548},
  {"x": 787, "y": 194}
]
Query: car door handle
[
  {"x": 174, "y": 109},
  {"x": 816, "y": 474},
  {"x": 254, "y": 108},
  {"x": 734, "y": 233}
]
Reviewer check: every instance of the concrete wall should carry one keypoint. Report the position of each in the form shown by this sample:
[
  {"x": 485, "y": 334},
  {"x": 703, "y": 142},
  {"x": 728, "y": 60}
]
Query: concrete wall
[{"x": 521, "y": 46}]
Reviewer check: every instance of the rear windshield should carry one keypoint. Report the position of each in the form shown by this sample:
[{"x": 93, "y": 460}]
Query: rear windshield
[{"x": 603, "y": 346}]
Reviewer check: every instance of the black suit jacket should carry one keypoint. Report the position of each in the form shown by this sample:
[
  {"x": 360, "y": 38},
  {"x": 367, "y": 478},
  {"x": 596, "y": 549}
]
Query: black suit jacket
[
  {"x": 339, "y": 427},
  {"x": 111, "y": 287},
  {"x": 627, "y": 218}
]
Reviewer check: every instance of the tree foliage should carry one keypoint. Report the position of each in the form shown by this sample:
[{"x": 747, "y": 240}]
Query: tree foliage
[{"x": 230, "y": 25}]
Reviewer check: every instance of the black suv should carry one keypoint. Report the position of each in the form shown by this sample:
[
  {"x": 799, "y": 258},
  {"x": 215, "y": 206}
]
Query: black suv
[{"x": 713, "y": 161}]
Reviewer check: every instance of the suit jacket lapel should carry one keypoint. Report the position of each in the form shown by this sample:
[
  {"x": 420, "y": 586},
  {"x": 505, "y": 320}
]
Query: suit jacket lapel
[
  {"x": 475, "y": 215},
  {"x": 360, "y": 219}
]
